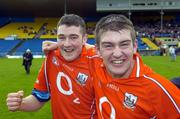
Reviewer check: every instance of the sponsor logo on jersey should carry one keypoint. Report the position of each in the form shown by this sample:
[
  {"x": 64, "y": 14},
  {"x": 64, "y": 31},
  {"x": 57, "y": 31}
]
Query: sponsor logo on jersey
[
  {"x": 130, "y": 100},
  {"x": 113, "y": 87},
  {"x": 54, "y": 61},
  {"x": 81, "y": 78}
]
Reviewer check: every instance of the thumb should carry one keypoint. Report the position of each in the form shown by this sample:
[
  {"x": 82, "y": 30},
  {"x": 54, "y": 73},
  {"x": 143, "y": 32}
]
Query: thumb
[
  {"x": 45, "y": 44},
  {"x": 45, "y": 47},
  {"x": 21, "y": 93}
]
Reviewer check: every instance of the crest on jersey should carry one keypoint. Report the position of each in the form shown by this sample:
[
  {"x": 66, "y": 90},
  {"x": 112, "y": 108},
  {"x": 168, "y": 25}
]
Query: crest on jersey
[
  {"x": 81, "y": 78},
  {"x": 130, "y": 100},
  {"x": 55, "y": 61}
]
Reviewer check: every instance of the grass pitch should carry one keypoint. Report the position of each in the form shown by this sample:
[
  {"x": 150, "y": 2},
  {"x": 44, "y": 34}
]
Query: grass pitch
[{"x": 14, "y": 78}]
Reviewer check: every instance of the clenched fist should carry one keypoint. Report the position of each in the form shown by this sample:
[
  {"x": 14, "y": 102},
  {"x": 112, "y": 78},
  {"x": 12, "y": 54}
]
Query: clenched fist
[
  {"x": 48, "y": 46},
  {"x": 14, "y": 100}
]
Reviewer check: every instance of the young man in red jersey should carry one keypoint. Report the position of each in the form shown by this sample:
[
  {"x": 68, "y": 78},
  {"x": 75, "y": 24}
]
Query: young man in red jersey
[
  {"x": 124, "y": 86},
  {"x": 64, "y": 77}
]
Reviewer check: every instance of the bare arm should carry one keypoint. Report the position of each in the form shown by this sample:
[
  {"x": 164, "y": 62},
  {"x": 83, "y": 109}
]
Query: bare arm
[
  {"x": 48, "y": 46},
  {"x": 89, "y": 46},
  {"x": 16, "y": 102}
]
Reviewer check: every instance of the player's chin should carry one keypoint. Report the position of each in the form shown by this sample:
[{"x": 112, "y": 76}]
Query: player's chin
[
  {"x": 117, "y": 70},
  {"x": 70, "y": 58}
]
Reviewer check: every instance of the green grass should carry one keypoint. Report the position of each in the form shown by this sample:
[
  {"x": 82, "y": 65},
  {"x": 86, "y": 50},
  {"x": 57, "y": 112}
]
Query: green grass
[
  {"x": 14, "y": 78},
  {"x": 163, "y": 65}
]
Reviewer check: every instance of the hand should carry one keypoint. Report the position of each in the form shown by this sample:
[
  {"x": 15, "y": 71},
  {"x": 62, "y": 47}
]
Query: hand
[
  {"x": 14, "y": 100},
  {"x": 88, "y": 46},
  {"x": 48, "y": 45}
]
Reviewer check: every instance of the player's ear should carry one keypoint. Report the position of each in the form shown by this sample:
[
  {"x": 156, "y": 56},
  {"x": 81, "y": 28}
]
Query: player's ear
[
  {"x": 135, "y": 46},
  {"x": 85, "y": 37},
  {"x": 97, "y": 50}
]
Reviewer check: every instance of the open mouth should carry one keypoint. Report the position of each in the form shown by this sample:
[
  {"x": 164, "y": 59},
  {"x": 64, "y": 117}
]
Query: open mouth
[
  {"x": 117, "y": 61},
  {"x": 68, "y": 50}
]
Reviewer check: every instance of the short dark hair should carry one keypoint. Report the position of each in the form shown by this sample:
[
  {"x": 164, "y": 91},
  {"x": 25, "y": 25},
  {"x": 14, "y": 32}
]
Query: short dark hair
[
  {"x": 113, "y": 22},
  {"x": 73, "y": 20}
]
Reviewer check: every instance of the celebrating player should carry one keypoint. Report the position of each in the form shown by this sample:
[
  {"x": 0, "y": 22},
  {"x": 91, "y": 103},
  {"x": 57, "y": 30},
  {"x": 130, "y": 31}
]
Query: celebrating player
[
  {"x": 64, "y": 77},
  {"x": 124, "y": 86}
]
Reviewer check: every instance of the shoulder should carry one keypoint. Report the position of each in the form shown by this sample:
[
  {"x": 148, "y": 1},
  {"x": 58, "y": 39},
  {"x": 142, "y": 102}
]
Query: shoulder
[
  {"x": 161, "y": 91},
  {"x": 160, "y": 86},
  {"x": 157, "y": 81},
  {"x": 53, "y": 53}
]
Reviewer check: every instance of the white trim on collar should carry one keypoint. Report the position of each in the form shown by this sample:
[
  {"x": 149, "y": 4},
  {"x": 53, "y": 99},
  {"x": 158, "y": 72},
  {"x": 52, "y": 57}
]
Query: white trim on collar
[{"x": 138, "y": 67}]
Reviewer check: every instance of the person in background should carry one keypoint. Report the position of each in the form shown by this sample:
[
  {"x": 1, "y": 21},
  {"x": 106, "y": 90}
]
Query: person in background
[
  {"x": 172, "y": 53},
  {"x": 27, "y": 60},
  {"x": 64, "y": 76}
]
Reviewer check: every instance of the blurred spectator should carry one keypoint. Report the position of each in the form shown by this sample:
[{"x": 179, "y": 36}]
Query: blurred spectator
[
  {"x": 27, "y": 29},
  {"x": 27, "y": 60},
  {"x": 172, "y": 53},
  {"x": 164, "y": 49}
]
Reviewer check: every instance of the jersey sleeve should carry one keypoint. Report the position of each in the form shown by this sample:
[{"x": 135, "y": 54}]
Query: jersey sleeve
[
  {"x": 166, "y": 99},
  {"x": 40, "y": 83},
  {"x": 40, "y": 90},
  {"x": 42, "y": 96}
]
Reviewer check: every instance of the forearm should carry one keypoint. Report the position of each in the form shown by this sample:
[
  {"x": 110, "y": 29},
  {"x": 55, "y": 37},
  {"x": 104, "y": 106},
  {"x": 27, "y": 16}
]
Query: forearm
[{"x": 30, "y": 103}]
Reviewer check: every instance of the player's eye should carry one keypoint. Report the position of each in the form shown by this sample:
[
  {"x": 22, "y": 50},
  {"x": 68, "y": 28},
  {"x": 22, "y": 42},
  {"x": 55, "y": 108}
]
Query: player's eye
[
  {"x": 73, "y": 37},
  {"x": 61, "y": 38},
  {"x": 125, "y": 44},
  {"x": 107, "y": 46}
]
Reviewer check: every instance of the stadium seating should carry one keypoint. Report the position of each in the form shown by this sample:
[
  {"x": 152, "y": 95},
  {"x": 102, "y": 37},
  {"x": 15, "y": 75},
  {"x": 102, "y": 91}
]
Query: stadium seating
[
  {"x": 34, "y": 45},
  {"x": 150, "y": 44},
  {"x": 148, "y": 33},
  {"x": 6, "y": 46},
  {"x": 91, "y": 41},
  {"x": 141, "y": 44},
  {"x": 50, "y": 28},
  {"x": 23, "y": 30},
  {"x": 168, "y": 40},
  {"x": 4, "y": 21}
]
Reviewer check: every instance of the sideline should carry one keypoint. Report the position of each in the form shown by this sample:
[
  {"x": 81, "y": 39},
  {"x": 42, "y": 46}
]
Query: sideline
[{"x": 17, "y": 56}]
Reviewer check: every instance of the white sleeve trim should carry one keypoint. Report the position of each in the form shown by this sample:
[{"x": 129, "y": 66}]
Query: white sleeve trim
[{"x": 166, "y": 92}]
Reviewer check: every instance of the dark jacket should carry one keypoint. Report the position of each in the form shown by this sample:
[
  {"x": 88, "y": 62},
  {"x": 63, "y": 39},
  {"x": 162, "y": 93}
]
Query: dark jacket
[{"x": 27, "y": 58}]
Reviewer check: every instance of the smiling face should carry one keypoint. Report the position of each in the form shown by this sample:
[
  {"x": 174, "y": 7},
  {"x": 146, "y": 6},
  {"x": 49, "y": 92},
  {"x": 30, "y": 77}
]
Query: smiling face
[
  {"x": 117, "y": 49},
  {"x": 70, "y": 41}
]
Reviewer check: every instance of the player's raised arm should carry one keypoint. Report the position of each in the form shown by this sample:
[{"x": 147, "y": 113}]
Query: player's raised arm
[
  {"x": 49, "y": 45},
  {"x": 16, "y": 102},
  {"x": 88, "y": 46}
]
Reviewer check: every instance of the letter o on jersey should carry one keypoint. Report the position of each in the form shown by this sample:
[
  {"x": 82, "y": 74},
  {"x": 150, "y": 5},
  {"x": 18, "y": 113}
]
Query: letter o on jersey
[
  {"x": 58, "y": 82},
  {"x": 103, "y": 100}
]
